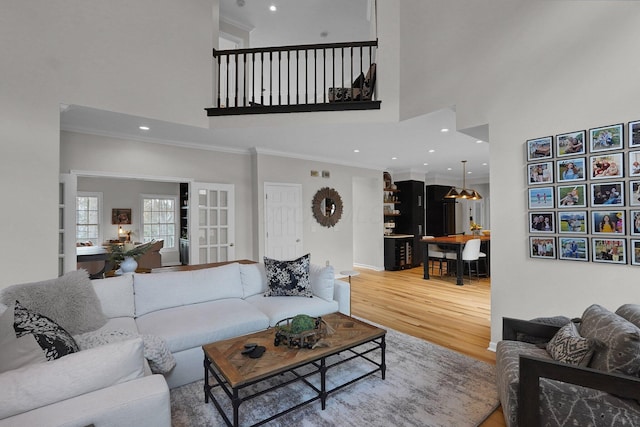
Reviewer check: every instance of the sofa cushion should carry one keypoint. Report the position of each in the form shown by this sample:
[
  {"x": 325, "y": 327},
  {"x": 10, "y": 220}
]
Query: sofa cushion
[
  {"x": 38, "y": 385},
  {"x": 630, "y": 312},
  {"x": 254, "y": 279},
  {"x": 116, "y": 295},
  {"x": 288, "y": 278},
  {"x": 69, "y": 300},
  {"x": 194, "y": 325},
  {"x": 620, "y": 351},
  {"x": 16, "y": 352},
  {"x": 568, "y": 346},
  {"x": 279, "y": 308},
  {"x": 322, "y": 280},
  {"x": 157, "y": 291},
  {"x": 51, "y": 337}
]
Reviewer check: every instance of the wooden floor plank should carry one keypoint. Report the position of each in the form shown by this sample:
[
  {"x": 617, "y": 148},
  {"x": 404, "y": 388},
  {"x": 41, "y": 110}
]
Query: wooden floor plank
[{"x": 436, "y": 310}]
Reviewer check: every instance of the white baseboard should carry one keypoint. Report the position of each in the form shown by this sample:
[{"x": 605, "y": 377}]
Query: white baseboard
[
  {"x": 368, "y": 267},
  {"x": 492, "y": 346}
]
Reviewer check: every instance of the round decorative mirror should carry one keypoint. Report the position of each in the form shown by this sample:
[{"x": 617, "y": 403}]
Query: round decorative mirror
[{"x": 327, "y": 207}]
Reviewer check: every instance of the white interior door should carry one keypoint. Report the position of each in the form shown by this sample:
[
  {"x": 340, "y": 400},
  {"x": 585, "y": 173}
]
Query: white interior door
[
  {"x": 283, "y": 220},
  {"x": 211, "y": 223}
]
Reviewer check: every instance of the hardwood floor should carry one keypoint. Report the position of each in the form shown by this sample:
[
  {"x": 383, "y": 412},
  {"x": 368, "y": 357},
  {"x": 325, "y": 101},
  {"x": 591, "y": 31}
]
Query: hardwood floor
[{"x": 456, "y": 317}]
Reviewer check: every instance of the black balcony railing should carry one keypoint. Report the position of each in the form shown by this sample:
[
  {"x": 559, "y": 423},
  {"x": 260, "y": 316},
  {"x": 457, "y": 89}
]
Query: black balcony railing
[{"x": 320, "y": 77}]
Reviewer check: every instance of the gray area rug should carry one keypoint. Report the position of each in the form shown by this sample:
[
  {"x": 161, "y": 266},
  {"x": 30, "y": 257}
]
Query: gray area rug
[{"x": 425, "y": 385}]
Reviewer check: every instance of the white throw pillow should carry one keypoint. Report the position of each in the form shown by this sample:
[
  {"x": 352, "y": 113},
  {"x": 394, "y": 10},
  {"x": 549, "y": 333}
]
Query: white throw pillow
[
  {"x": 17, "y": 352},
  {"x": 254, "y": 279},
  {"x": 79, "y": 373},
  {"x": 322, "y": 279},
  {"x": 116, "y": 295}
]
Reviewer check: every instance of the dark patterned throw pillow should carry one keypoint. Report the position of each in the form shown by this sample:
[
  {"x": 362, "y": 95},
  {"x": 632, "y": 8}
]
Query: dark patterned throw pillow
[
  {"x": 288, "y": 278},
  {"x": 54, "y": 340},
  {"x": 569, "y": 347}
]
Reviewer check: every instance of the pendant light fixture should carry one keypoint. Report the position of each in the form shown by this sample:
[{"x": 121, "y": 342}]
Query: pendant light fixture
[{"x": 464, "y": 193}]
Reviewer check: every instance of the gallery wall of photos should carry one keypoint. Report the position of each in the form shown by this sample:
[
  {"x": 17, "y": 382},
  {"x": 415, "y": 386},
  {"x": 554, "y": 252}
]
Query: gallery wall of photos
[{"x": 583, "y": 195}]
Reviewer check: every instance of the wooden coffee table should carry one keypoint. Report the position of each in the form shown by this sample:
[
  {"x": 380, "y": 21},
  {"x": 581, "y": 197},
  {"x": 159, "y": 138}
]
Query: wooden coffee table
[{"x": 233, "y": 371}]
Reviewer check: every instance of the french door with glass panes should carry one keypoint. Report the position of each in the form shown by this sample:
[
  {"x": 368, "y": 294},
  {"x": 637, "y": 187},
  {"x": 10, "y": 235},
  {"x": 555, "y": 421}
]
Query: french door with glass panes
[{"x": 211, "y": 223}]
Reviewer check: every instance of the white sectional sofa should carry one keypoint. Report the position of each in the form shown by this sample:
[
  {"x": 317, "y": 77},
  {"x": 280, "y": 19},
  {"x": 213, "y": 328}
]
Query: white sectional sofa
[{"x": 187, "y": 309}]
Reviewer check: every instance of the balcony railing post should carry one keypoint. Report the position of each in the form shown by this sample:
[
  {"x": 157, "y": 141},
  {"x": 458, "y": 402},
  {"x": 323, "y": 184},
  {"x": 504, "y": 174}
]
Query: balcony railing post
[
  {"x": 288, "y": 77},
  {"x": 227, "y": 85},
  {"x": 270, "y": 78},
  {"x": 262, "y": 78}
]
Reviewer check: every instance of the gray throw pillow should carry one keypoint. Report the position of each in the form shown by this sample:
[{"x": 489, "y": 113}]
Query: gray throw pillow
[
  {"x": 69, "y": 300},
  {"x": 630, "y": 312},
  {"x": 569, "y": 347},
  {"x": 288, "y": 278},
  {"x": 620, "y": 350}
]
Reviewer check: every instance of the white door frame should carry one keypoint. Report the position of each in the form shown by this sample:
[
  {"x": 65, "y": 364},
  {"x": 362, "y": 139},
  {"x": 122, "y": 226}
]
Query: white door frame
[{"x": 299, "y": 218}]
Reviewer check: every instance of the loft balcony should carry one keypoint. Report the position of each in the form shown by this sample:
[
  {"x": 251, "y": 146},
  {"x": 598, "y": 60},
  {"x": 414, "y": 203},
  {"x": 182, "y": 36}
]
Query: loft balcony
[{"x": 298, "y": 78}]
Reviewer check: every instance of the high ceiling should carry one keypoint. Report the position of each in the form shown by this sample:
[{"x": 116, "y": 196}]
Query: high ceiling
[{"x": 416, "y": 145}]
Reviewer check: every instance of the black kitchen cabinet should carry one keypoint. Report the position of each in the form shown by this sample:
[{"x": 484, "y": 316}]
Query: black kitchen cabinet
[
  {"x": 412, "y": 215},
  {"x": 440, "y": 212}
]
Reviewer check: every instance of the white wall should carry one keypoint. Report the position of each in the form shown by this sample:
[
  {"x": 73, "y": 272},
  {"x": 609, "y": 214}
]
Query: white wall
[
  {"x": 335, "y": 244},
  {"x": 148, "y": 58},
  {"x": 368, "y": 245}
]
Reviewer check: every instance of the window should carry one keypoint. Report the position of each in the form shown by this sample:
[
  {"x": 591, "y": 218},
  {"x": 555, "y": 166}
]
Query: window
[
  {"x": 159, "y": 219},
  {"x": 88, "y": 217}
]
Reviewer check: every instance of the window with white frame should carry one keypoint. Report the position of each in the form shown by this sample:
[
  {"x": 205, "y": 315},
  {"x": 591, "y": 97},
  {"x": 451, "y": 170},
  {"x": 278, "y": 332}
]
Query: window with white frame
[
  {"x": 88, "y": 218},
  {"x": 159, "y": 219}
]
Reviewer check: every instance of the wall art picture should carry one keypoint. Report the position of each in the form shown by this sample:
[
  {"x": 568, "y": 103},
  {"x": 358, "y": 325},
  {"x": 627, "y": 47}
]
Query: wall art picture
[
  {"x": 542, "y": 247},
  {"x": 541, "y": 222},
  {"x": 606, "y": 166},
  {"x": 573, "y": 248},
  {"x": 607, "y": 222},
  {"x": 120, "y": 216},
  {"x": 569, "y": 144},
  {"x": 541, "y": 197},
  {"x": 540, "y": 148},
  {"x": 612, "y": 251},
  {"x": 634, "y": 222},
  {"x": 634, "y": 163},
  {"x": 571, "y": 170},
  {"x": 606, "y": 138},
  {"x": 635, "y": 252},
  {"x": 541, "y": 173},
  {"x": 610, "y": 193},
  {"x": 634, "y": 193},
  {"x": 634, "y": 134},
  {"x": 572, "y": 196},
  {"x": 573, "y": 222}
]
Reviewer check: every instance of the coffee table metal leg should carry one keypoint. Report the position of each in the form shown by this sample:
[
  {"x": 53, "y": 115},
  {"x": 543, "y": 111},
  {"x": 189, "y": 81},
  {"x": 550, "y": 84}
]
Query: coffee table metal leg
[
  {"x": 236, "y": 408},
  {"x": 383, "y": 364},
  {"x": 323, "y": 383},
  {"x": 206, "y": 380}
]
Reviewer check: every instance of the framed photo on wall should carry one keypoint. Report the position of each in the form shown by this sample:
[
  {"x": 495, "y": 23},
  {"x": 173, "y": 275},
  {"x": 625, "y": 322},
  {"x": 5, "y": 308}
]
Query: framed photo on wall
[
  {"x": 570, "y": 144},
  {"x": 572, "y": 196},
  {"x": 634, "y": 134},
  {"x": 574, "y": 222},
  {"x": 634, "y": 193},
  {"x": 573, "y": 248},
  {"x": 541, "y": 222},
  {"x": 635, "y": 252},
  {"x": 606, "y": 138},
  {"x": 612, "y": 251},
  {"x": 607, "y": 222},
  {"x": 540, "y": 173},
  {"x": 120, "y": 216},
  {"x": 606, "y": 194},
  {"x": 541, "y": 197},
  {"x": 634, "y": 163},
  {"x": 634, "y": 222},
  {"x": 542, "y": 247},
  {"x": 571, "y": 169},
  {"x": 540, "y": 148},
  {"x": 606, "y": 166}
]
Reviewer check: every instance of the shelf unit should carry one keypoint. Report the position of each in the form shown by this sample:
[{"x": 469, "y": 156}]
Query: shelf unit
[
  {"x": 389, "y": 202},
  {"x": 184, "y": 223}
]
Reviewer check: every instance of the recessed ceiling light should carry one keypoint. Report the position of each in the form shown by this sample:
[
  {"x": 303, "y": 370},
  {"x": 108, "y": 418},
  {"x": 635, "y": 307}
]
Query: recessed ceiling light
[
  {"x": 426, "y": 164},
  {"x": 469, "y": 173},
  {"x": 394, "y": 158},
  {"x": 444, "y": 130},
  {"x": 448, "y": 169},
  {"x": 144, "y": 128},
  {"x": 484, "y": 164},
  {"x": 356, "y": 151},
  {"x": 432, "y": 151},
  {"x": 479, "y": 141},
  {"x": 273, "y": 8}
]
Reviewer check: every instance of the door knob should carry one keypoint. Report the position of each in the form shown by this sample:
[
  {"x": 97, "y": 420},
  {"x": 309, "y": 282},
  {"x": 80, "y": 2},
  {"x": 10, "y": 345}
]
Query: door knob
[{"x": 230, "y": 244}]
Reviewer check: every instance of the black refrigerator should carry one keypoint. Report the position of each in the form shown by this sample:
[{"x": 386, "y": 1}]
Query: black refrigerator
[
  {"x": 440, "y": 212},
  {"x": 411, "y": 219}
]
